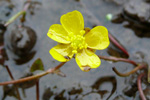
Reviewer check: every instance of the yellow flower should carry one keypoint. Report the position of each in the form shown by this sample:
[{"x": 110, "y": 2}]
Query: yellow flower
[{"x": 74, "y": 39}]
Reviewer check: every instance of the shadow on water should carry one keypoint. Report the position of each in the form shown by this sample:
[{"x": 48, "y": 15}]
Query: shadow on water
[
  {"x": 103, "y": 80},
  {"x": 80, "y": 92}
]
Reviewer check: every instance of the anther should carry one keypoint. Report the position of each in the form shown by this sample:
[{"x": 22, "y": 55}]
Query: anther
[
  {"x": 74, "y": 51},
  {"x": 82, "y": 32}
]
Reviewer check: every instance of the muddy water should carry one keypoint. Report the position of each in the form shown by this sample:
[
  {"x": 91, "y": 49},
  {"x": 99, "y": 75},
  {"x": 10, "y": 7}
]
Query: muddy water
[{"x": 101, "y": 83}]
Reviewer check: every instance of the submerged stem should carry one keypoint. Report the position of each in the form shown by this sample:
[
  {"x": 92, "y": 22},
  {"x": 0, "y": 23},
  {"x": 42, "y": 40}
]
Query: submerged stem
[
  {"x": 12, "y": 78},
  {"x": 49, "y": 71},
  {"x": 148, "y": 74},
  {"x": 140, "y": 87},
  {"x": 37, "y": 90},
  {"x": 128, "y": 73}
]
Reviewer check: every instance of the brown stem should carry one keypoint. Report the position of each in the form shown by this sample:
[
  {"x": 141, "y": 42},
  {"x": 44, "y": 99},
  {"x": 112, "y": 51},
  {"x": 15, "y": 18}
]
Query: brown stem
[
  {"x": 114, "y": 41},
  {"x": 51, "y": 70},
  {"x": 12, "y": 78},
  {"x": 118, "y": 59},
  {"x": 37, "y": 90},
  {"x": 140, "y": 86},
  {"x": 128, "y": 73},
  {"x": 9, "y": 72}
]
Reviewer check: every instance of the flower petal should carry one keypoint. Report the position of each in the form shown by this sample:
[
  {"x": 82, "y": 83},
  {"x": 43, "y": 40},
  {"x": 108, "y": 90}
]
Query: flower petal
[
  {"x": 58, "y": 33},
  {"x": 62, "y": 52},
  {"x": 97, "y": 38},
  {"x": 73, "y": 22},
  {"x": 86, "y": 59}
]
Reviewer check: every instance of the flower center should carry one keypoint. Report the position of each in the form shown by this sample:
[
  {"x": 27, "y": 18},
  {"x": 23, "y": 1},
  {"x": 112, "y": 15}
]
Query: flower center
[{"x": 78, "y": 42}]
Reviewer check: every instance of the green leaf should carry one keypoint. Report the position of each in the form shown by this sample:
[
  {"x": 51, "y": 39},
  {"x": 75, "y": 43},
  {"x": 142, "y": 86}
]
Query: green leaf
[{"x": 37, "y": 65}]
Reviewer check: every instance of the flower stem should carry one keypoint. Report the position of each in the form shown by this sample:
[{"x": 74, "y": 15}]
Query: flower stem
[
  {"x": 118, "y": 59},
  {"x": 128, "y": 73},
  {"x": 49, "y": 71},
  {"x": 12, "y": 78},
  {"x": 140, "y": 87}
]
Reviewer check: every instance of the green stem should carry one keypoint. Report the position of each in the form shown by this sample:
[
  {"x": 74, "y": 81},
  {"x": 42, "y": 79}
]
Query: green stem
[{"x": 13, "y": 18}]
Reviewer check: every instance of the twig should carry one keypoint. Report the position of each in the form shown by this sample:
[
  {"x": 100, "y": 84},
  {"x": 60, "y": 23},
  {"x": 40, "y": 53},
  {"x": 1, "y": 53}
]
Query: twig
[
  {"x": 51, "y": 70},
  {"x": 12, "y": 78},
  {"x": 140, "y": 86},
  {"x": 37, "y": 90},
  {"x": 128, "y": 73},
  {"x": 118, "y": 59}
]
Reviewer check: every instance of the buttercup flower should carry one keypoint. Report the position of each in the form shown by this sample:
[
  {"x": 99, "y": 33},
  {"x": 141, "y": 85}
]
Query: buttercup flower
[{"x": 73, "y": 40}]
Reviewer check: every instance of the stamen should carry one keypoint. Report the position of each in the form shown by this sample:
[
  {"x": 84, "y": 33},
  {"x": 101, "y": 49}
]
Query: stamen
[
  {"x": 78, "y": 41},
  {"x": 82, "y": 32},
  {"x": 74, "y": 51}
]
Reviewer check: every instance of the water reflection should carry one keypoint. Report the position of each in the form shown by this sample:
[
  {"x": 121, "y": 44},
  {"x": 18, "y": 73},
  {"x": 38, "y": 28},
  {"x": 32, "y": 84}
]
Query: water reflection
[
  {"x": 138, "y": 19},
  {"x": 9, "y": 91},
  {"x": 103, "y": 80},
  {"x": 80, "y": 93}
]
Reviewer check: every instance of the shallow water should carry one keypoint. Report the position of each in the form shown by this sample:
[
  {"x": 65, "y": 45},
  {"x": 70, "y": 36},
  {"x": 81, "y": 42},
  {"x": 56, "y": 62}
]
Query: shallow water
[{"x": 101, "y": 83}]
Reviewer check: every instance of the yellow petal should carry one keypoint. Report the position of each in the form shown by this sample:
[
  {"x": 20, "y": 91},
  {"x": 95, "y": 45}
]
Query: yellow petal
[
  {"x": 62, "y": 52},
  {"x": 97, "y": 38},
  {"x": 73, "y": 22},
  {"x": 58, "y": 33},
  {"x": 86, "y": 59}
]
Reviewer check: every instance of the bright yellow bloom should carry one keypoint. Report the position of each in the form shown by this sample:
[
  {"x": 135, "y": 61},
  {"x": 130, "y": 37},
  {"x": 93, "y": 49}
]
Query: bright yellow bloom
[{"x": 74, "y": 39}]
